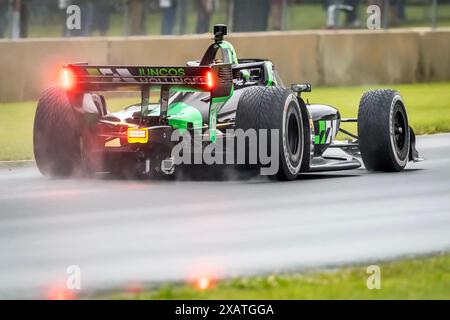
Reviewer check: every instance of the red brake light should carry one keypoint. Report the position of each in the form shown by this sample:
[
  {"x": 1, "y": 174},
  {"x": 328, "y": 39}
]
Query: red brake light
[
  {"x": 210, "y": 80},
  {"x": 67, "y": 79},
  {"x": 203, "y": 283}
]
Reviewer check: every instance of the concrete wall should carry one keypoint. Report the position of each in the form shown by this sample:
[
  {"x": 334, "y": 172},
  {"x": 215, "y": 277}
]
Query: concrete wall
[
  {"x": 359, "y": 58},
  {"x": 27, "y": 67},
  {"x": 434, "y": 56},
  {"x": 321, "y": 57},
  {"x": 294, "y": 54}
]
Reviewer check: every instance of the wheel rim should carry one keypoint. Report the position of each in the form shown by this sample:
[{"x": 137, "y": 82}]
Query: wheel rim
[
  {"x": 400, "y": 131},
  {"x": 293, "y": 134}
]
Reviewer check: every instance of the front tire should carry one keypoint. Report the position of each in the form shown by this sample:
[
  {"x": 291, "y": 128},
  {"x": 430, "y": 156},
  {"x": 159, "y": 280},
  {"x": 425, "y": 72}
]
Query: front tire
[
  {"x": 383, "y": 131},
  {"x": 56, "y": 135}
]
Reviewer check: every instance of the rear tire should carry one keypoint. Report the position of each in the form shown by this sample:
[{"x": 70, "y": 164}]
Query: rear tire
[
  {"x": 383, "y": 131},
  {"x": 275, "y": 108},
  {"x": 56, "y": 134}
]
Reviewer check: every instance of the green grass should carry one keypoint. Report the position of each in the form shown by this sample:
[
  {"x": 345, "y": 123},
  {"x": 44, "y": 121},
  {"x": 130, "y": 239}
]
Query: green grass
[
  {"x": 428, "y": 105},
  {"x": 423, "y": 278},
  {"x": 428, "y": 108}
]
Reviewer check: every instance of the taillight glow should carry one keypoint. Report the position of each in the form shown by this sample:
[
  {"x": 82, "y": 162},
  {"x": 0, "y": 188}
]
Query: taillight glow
[
  {"x": 203, "y": 283},
  {"x": 137, "y": 135},
  {"x": 210, "y": 80},
  {"x": 58, "y": 291},
  {"x": 68, "y": 79}
]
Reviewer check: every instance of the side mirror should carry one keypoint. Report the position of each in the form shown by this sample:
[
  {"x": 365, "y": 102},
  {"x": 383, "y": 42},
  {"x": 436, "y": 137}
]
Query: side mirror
[{"x": 301, "y": 87}]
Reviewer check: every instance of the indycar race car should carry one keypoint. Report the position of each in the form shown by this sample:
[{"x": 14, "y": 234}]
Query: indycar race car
[{"x": 210, "y": 101}]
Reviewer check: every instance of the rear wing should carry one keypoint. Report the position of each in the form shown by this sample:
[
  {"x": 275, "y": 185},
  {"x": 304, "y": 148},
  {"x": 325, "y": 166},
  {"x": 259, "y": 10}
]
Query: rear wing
[
  {"x": 88, "y": 78},
  {"x": 216, "y": 79}
]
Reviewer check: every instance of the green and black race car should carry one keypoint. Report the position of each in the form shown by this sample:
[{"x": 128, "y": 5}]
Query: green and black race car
[{"x": 207, "y": 103}]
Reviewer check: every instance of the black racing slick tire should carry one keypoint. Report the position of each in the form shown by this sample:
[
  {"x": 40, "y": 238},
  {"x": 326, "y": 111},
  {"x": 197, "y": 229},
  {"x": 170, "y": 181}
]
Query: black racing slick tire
[
  {"x": 383, "y": 131},
  {"x": 56, "y": 135},
  {"x": 275, "y": 108}
]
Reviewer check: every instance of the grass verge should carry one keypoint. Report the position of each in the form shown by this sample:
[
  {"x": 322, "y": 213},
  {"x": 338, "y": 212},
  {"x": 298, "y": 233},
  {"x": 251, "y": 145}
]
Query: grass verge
[
  {"x": 428, "y": 108},
  {"x": 421, "y": 278}
]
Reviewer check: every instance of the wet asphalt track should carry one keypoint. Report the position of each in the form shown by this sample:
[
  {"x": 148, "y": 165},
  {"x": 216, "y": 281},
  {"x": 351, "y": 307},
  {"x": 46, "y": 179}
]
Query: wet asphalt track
[{"x": 122, "y": 232}]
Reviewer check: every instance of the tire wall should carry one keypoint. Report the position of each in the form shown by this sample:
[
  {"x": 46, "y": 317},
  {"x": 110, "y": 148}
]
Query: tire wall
[{"x": 332, "y": 58}]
